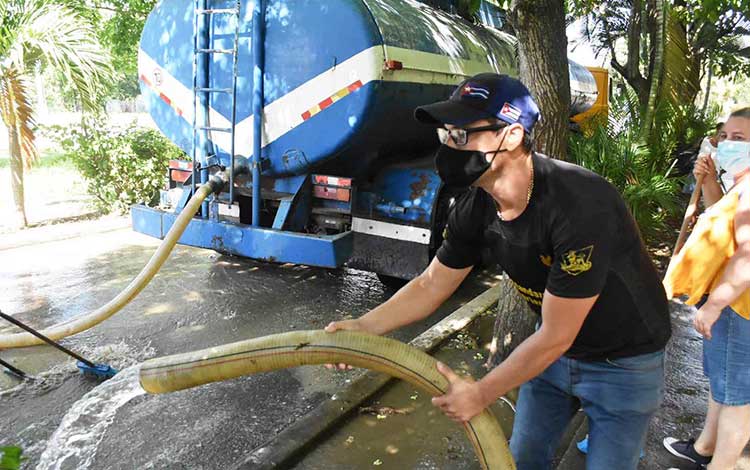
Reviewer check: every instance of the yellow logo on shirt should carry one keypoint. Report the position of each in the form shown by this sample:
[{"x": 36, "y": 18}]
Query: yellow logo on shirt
[
  {"x": 576, "y": 262},
  {"x": 546, "y": 260}
]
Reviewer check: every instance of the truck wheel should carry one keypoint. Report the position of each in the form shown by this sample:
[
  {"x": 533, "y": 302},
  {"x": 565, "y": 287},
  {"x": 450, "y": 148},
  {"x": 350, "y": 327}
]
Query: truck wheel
[{"x": 446, "y": 199}]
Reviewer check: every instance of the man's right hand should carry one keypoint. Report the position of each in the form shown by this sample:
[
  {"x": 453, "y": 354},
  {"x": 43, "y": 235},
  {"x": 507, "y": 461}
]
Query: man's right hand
[
  {"x": 348, "y": 325},
  {"x": 704, "y": 166}
]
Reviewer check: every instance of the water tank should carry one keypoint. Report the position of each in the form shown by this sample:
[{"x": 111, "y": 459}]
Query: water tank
[{"x": 342, "y": 77}]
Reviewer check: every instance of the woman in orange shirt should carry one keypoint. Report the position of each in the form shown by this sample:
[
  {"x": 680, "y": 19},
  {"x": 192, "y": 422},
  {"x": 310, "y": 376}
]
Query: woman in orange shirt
[{"x": 713, "y": 270}]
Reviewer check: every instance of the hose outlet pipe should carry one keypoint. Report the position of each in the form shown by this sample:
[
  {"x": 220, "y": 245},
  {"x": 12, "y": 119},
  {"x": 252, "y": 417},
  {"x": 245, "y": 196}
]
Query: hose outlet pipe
[
  {"x": 218, "y": 181},
  {"x": 241, "y": 166}
]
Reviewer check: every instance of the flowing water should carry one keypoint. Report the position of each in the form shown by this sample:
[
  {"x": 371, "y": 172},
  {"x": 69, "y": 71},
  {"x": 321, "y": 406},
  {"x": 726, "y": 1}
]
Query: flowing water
[{"x": 73, "y": 445}]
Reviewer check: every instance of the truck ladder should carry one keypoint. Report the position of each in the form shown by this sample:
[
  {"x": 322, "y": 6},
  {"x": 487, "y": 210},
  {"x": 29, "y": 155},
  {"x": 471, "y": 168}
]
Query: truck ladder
[{"x": 201, "y": 94}]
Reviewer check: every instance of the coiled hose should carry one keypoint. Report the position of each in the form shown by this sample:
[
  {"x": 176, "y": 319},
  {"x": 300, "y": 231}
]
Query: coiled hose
[
  {"x": 281, "y": 351},
  {"x": 89, "y": 320}
]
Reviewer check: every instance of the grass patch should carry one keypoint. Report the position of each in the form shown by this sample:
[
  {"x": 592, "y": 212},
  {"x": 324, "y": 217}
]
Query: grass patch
[{"x": 49, "y": 158}]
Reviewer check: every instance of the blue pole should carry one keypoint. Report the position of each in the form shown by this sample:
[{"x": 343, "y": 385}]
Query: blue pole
[
  {"x": 194, "y": 143},
  {"x": 202, "y": 109},
  {"x": 259, "y": 23}
]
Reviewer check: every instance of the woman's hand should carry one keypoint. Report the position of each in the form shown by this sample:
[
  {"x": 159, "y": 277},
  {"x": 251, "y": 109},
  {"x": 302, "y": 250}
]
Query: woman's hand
[
  {"x": 704, "y": 166},
  {"x": 705, "y": 319}
]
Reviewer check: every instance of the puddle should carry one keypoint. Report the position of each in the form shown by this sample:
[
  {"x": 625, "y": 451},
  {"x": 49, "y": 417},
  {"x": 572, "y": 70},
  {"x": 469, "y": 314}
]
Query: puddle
[{"x": 401, "y": 429}]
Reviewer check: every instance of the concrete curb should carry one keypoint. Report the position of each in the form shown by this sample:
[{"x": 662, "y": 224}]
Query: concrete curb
[
  {"x": 568, "y": 455},
  {"x": 293, "y": 441}
]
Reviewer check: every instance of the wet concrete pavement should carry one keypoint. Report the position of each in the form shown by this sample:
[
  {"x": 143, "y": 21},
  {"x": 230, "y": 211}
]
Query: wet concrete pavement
[
  {"x": 686, "y": 390},
  {"x": 686, "y": 398},
  {"x": 199, "y": 299}
]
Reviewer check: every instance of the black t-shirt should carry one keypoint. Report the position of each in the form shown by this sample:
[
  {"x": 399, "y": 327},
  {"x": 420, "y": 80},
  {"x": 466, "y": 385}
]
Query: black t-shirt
[{"x": 576, "y": 239}]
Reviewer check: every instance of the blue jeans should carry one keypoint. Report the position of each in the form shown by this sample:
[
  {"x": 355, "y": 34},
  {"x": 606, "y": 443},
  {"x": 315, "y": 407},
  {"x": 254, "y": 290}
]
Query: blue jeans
[
  {"x": 726, "y": 357},
  {"x": 619, "y": 397}
]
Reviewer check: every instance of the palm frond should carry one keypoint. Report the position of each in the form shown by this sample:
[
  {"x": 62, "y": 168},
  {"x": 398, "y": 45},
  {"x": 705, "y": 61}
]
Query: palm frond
[
  {"x": 681, "y": 80},
  {"x": 16, "y": 111},
  {"x": 59, "y": 38}
]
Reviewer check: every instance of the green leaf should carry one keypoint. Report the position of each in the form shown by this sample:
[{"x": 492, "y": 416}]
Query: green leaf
[
  {"x": 11, "y": 458},
  {"x": 696, "y": 32},
  {"x": 57, "y": 36}
]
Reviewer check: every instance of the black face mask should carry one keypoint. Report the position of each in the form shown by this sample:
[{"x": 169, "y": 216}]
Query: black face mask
[{"x": 460, "y": 168}]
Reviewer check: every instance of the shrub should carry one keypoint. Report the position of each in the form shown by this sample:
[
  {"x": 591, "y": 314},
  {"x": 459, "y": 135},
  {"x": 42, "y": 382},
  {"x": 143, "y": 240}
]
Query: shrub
[
  {"x": 640, "y": 169},
  {"x": 122, "y": 167}
]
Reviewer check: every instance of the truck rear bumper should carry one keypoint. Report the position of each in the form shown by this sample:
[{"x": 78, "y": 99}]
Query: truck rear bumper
[{"x": 329, "y": 251}]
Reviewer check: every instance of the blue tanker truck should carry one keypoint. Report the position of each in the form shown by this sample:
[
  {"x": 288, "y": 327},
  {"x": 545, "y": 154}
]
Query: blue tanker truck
[{"x": 308, "y": 105}]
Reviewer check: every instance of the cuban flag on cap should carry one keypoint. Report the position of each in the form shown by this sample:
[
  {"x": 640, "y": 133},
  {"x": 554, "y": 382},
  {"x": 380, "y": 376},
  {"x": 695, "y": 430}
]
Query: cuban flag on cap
[
  {"x": 475, "y": 92},
  {"x": 511, "y": 112}
]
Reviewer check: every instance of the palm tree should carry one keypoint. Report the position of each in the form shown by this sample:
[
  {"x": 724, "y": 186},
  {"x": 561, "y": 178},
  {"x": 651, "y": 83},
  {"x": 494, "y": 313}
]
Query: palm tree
[
  {"x": 42, "y": 32},
  {"x": 657, "y": 71},
  {"x": 669, "y": 42}
]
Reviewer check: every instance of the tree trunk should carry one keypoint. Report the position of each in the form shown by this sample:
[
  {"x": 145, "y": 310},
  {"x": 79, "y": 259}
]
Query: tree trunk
[
  {"x": 704, "y": 108},
  {"x": 634, "y": 77},
  {"x": 657, "y": 67},
  {"x": 633, "y": 64},
  {"x": 514, "y": 323},
  {"x": 16, "y": 177},
  {"x": 543, "y": 58}
]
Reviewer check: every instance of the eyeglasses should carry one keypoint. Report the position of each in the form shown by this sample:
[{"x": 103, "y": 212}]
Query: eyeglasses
[{"x": 461, "y": 136}]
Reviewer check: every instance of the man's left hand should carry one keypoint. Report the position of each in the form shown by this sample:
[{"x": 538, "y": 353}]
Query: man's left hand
[
  {"x": 463, "y": 400},
  {"x": 705, "y": 319}
]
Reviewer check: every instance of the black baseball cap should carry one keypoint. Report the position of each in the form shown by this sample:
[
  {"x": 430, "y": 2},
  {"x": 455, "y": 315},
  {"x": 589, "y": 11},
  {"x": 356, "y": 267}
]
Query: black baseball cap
[{"x": 484, "y": 96}]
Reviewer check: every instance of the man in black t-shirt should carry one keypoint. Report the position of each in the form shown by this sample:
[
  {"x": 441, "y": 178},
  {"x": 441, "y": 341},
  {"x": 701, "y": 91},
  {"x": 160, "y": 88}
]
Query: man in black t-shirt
[{"x": 573, "y": 251}]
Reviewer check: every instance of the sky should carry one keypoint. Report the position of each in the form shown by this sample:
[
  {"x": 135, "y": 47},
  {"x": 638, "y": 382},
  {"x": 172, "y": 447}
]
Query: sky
[{"x": 579, "y": 50}]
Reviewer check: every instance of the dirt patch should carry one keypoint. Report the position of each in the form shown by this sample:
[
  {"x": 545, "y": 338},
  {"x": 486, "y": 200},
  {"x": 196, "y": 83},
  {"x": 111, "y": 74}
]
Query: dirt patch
[{"x": 53, "y": 194}]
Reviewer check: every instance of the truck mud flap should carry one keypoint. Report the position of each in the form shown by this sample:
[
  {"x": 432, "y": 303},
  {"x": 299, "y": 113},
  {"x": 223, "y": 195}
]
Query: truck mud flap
[{"x": 394, "y": 250}]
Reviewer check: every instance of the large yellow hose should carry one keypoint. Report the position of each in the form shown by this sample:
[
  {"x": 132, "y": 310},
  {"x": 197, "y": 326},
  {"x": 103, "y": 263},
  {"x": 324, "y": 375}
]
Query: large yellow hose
[
  {"x": 84, "y": 322},
  {"x": 280, "y": 351}
]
